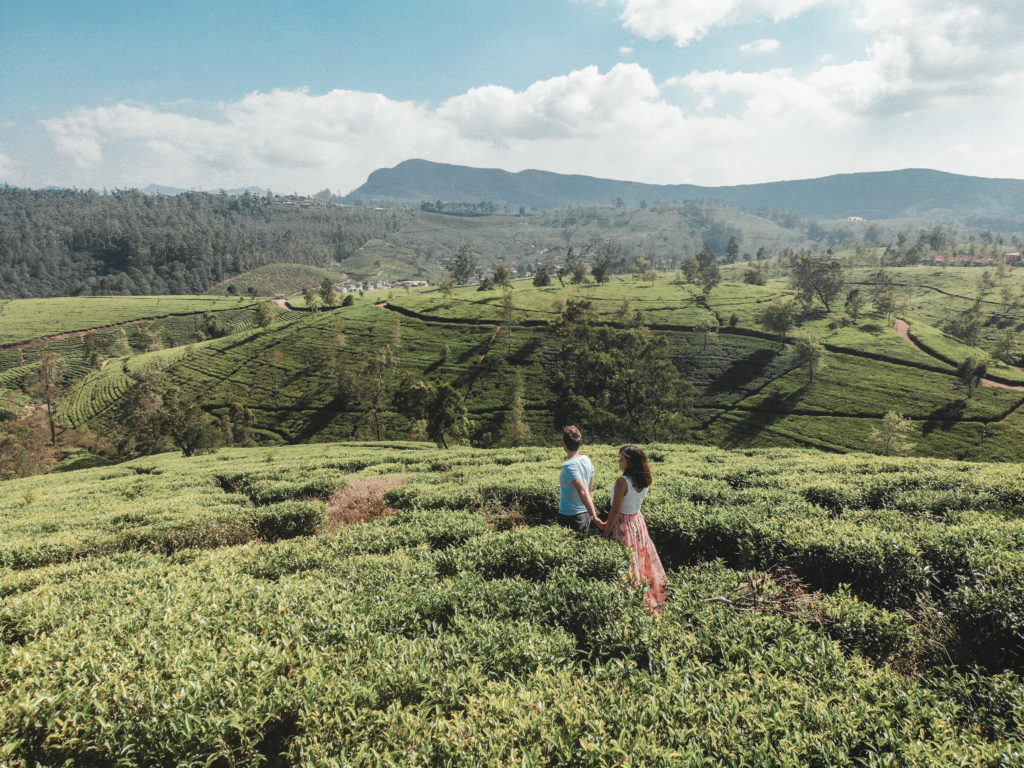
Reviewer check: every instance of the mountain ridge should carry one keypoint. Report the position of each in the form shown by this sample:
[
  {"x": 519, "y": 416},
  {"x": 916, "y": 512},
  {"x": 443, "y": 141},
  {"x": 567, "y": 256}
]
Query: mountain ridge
[{"x": 909, "y": 192}]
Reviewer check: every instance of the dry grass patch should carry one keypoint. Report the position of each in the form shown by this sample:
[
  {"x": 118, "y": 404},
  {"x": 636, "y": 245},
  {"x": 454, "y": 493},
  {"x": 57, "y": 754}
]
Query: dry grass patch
[{"x": 361, "y": 500}]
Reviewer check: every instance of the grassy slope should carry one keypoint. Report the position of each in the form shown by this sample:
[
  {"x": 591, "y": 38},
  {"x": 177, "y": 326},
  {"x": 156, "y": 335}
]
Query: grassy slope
[
  {"x": 750, "y": 390},
  {"x": 132, "y": 624},
  {"x": 382, "y": 260},
  {"x": 17, "y": 362},
  {"x": 277, "y": 278},
  {"x": 23, "y": 320}
]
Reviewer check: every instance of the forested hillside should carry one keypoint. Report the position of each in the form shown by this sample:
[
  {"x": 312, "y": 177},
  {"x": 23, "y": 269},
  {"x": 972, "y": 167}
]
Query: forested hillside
[
  {"x": 71, "y": 243},
  {"x": 75, "y": 243}
]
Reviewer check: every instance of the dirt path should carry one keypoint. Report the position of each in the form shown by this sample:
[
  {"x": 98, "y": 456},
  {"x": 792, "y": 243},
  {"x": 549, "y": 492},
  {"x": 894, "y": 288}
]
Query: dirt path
[
  {"x": 902, "y": 328},
  {"x": 283, "y": 304}
]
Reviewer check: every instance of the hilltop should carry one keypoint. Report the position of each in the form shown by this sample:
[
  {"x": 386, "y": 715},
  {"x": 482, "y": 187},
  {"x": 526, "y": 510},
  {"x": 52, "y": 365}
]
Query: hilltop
[
  {"x": 276, "y": 278},
  {"x": 906, "y": 193}
]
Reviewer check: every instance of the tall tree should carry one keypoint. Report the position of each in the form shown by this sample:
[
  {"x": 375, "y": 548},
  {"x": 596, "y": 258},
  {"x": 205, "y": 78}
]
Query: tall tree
[
  {"x": 464, "y": 265},
  {"x": 892, "y": 437},
  {"x": 327, "y": 294},
  {"x": 190, "y": 429},
  {"x": 47, "y": 385},
  {"x": 970, "y": 372},
  {"x": 376, "y": 375},
  {"x": 810, "y": 352},
  {"x": 780, "y": 316},
  {"x": 813, "y": 276},
  {"x": 515, "y": 431},
  {"x": 708, "y": 273},
  {"x": 616, "y": 382}
]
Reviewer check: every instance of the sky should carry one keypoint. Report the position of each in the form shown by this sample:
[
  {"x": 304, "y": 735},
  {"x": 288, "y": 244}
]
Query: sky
[{"x": 303, "y": 96}]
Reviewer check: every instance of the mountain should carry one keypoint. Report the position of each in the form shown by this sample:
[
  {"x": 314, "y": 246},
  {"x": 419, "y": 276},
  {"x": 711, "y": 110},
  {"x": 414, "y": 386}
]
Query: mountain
[
  {"x": 160, "y": 189},
  {"x": 910, "y": 193}
]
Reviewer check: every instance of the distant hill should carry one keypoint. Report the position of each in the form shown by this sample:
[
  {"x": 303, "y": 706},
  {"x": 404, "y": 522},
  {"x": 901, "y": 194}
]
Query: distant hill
[
  {"x": 160, "y": 189},
  {"x": 882, "y": 195},
  {"x": 277, "y": 278}
]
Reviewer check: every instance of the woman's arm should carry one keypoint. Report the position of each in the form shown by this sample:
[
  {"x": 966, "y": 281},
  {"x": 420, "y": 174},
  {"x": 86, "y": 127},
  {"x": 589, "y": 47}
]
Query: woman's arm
[{"x": 618, "y": 494}]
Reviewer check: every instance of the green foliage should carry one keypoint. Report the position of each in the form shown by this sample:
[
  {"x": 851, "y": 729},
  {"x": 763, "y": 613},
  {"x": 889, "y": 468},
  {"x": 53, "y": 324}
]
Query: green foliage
[
  {"x": 428, "y": 638},
  {"x": 616, "y": 381},
  {"x": 813, "y": 277}
]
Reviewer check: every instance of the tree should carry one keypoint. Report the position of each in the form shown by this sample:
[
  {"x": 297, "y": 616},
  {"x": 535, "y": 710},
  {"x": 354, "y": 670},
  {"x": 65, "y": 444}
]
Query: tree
[
  {"x": 732, "y": 250},
  {"x": 965, "y": 326},
  {"x": 542, "y": 278},
  {"x": 630, "y": 315},
  {"x": 892, "y": 437},
  {"x": 708, "y": 274},
  {"x": 190, "y": 428},
  {"x": 690, "y": 269},
  {"x": 1006, "y": 347},
  {"x": 309, "y": 297},
  {"x": 814, "y": 277},
  {"x": 327, "y": 295},
  {"x": 24, "y": 448},
  {"x": 139, "y": 429},
  {"x": 47, "y": 385},
  {"x": 376, "y": 374},
  {"x": 438, "y": 405},
  {"x": 502, "y": 276},
  {"x": 707, "y": 324},
  {"x": 508, "y": 310},
  {"x": 754, "y": 275},
  {"x": 780, "y": 316},
  {"x": 854, "y": 303},
  {"x": 241, "y": 425},
  {"x": 152, "y": 338},
  {"x": 94, "y": 348},
  {"x": 616, "y": 382},
  {"x": 575, "y": 268},
  {"x": 120, "y": 346},
  {"x": 515, "y": 431},
  {"x": 447, "y": 417},
  {"x": 264, "y": 315},
  {"x": 464, "y": 265},
  {"x": 970, "y": 372},
  {"x": 640, "y": 268},
  {"x": 885, "y": 304},
  {"x": 810, "y": 352},
  {"x": 213, "y": 326}
]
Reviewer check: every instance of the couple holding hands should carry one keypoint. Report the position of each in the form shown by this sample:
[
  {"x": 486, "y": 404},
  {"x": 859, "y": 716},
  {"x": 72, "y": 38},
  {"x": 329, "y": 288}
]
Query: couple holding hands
[{"x": 625, "y": 522}]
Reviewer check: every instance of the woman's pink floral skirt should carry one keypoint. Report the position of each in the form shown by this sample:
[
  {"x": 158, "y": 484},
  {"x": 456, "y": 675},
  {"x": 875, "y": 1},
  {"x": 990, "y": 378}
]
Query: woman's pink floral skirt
[{"x": 645, "y": 566}]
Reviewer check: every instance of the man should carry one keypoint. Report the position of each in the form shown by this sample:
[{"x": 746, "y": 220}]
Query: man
[{"x": 576, "y": 481}]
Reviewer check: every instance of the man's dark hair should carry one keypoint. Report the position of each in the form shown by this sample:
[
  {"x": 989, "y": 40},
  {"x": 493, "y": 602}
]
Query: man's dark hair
[{"x": 572, "y": 438}]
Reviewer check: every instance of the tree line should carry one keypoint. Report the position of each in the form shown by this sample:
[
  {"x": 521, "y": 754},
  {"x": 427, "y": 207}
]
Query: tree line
[{"x": 70, "y": 242}]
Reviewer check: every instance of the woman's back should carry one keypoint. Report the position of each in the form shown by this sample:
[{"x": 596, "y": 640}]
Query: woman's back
[{"x": 632, "y": 499}]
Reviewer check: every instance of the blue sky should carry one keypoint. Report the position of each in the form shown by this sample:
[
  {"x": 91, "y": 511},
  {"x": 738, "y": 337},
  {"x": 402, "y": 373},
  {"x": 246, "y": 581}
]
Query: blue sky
[{"x": 302, "y": 96}]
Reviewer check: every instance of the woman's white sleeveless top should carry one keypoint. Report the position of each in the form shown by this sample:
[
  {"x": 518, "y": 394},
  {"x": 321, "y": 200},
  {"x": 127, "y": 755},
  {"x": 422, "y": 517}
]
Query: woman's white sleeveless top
[{"x": 632, "y": 500}]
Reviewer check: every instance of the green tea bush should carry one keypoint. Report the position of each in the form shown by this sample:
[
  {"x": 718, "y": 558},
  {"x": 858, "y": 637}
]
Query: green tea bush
[{"x": 288, "y": 519}]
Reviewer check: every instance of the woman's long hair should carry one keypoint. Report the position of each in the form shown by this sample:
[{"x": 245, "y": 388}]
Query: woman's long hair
[{"x": 638, "y": 469}]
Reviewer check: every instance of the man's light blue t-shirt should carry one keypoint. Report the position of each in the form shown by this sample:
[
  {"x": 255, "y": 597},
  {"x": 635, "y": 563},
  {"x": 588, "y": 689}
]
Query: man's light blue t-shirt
[{"x": 579, "y": 467}]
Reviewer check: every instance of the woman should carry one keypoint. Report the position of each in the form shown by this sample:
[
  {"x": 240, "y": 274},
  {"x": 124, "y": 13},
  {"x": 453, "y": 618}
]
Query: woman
[{"x": 626, "y": 524}]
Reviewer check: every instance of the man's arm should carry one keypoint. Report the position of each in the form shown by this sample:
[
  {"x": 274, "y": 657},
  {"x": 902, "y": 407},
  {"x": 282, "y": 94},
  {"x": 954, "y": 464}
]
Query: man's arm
[{"x": 585, "y": 497}]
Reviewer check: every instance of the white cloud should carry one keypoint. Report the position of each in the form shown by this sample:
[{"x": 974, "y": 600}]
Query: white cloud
[
  {"x": 938, "y": 85},
  {"x": 687, "y": 20},
  {"x": 625, "y": 50},
  {"x": 764, "y": 45}
]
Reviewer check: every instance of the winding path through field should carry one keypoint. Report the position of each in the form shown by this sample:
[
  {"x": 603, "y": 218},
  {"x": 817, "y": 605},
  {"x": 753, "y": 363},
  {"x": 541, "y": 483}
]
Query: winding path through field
[{"x": 902, "y": 328}]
